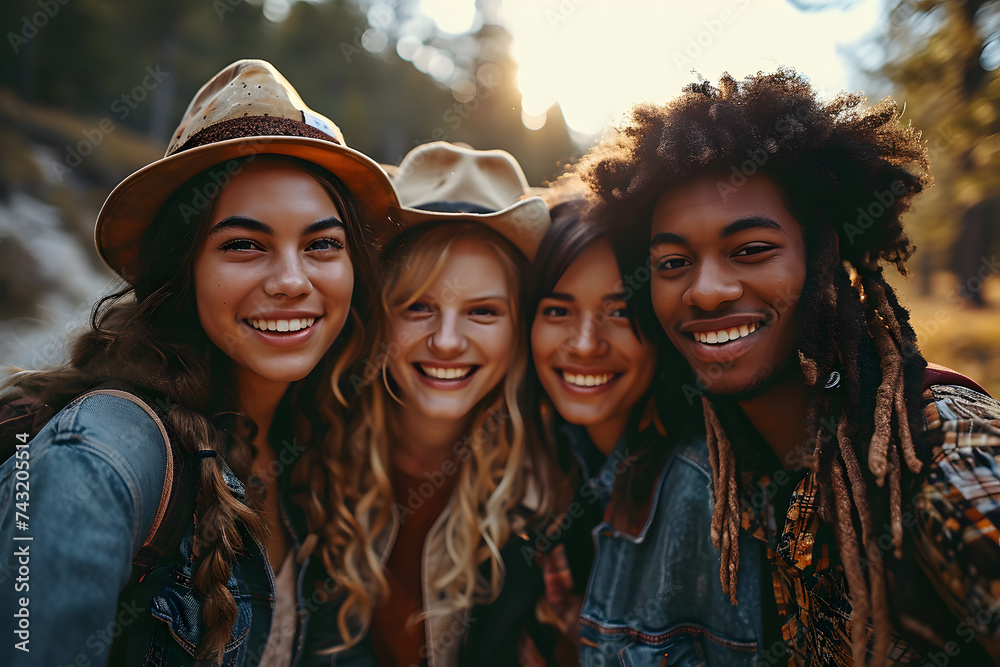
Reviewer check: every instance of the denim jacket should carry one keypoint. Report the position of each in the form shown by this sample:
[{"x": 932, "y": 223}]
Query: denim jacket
[
  {"x": 74, "y": 587},
  {"x": 654, "y": 595}
]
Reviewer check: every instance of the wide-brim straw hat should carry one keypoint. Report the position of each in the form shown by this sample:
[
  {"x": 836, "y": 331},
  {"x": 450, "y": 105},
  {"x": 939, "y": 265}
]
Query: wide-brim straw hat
[
  {"x": 247, "y": 109},
  {"x": 441, "y": 182}
]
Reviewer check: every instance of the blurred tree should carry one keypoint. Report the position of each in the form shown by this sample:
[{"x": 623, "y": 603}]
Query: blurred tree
[
  {"x": 941, "y": 57},
  {"x": 94, "y": 58}
]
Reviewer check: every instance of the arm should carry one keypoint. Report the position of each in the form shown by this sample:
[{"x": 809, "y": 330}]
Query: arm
[
  {"x": 91, "y": 481},
  {"x": 957, "y": 517}
]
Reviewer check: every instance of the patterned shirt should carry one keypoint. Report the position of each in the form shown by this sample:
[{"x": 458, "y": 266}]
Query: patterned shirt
[{"x": 952, "y": 525}]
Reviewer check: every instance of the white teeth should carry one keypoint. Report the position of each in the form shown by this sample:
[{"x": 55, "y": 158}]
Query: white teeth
[
  {"x": 446, "y": 373},
  {"x": 283, "y": 325},
  {"x": 725, "y": 335},
  {"x": 587, "y": 380}
]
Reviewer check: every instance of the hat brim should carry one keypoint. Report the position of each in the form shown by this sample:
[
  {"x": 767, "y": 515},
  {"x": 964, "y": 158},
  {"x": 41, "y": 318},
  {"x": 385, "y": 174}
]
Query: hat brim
[
  {"x": 523, "y": 223},
  {"x": 132, "y": 206}
]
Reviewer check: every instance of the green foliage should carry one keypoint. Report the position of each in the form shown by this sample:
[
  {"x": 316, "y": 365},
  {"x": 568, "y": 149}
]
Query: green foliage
[{"x": 91, "y": 55}]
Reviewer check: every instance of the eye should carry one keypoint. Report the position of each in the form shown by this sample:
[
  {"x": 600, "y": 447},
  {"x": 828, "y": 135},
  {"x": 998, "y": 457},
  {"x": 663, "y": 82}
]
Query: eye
[
  {"x": 326, "y": 244},
  {"x": 621, "y": 311},
  {"x": 418, "y": 307},
  {"x": 240, "y": 245},
  {"x": 555, "y": 311},
  {"x": 670, "y": 263},
  {"x": 483, "y": 311},
  {"x": 753, "y": 249}
]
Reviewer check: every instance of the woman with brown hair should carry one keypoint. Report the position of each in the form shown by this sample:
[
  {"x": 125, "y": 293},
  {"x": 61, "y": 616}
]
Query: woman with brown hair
[{"x": 159, "y": 516}]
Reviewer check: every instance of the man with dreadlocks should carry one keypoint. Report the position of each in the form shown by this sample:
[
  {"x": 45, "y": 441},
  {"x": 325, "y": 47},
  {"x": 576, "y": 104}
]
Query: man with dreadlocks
[{"x": 869, "y": 479}]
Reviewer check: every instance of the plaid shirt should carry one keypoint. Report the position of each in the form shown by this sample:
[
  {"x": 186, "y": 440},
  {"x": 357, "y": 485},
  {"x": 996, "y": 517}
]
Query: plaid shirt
[{"x": 952, "y": 524}]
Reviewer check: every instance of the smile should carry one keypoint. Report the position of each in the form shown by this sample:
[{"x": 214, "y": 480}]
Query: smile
[
  {"x": 438, "y": 373},
  {"x": 580, "y": 380},
  {"x": 724, "y": 335},
  {"x": 282, "y": 325}
]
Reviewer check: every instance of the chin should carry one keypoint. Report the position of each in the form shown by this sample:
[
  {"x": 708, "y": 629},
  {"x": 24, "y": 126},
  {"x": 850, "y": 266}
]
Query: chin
[{"x": 743, "y": 388}]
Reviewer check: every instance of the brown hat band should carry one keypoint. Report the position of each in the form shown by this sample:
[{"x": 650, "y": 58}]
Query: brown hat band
[{"x": 254, "y": 126}]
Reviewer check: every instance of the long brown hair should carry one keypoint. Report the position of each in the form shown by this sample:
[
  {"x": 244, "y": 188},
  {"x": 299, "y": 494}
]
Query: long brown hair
[{"x": 148, "y": 336}]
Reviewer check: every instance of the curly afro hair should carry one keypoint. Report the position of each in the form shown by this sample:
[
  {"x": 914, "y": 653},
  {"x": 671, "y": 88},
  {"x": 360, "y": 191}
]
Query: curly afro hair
[
  {"x": 848, "y": 171},
  {"x": 852, "y": 164}
]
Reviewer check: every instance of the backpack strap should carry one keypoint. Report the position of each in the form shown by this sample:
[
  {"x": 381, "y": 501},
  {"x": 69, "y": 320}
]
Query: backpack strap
[
  {"x": 938, "y": 374},
  {"x": 159, "y": 537}
]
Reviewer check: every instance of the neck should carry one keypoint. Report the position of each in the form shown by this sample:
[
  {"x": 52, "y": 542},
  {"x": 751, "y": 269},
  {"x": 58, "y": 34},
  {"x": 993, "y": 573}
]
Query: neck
[
  {"x": 258, "y": 400},
  {"x": 779, "y": 416},
  {"x": 607, "y": 434},
  {"x": 421, "y": 444}
]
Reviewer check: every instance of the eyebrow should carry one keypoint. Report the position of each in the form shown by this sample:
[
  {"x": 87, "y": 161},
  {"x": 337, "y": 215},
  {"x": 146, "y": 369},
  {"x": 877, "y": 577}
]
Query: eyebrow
[
  {"x": 487, "y": 297},
  {"x": 734, "y": 227},
  {"x": 254, "y": 225}
]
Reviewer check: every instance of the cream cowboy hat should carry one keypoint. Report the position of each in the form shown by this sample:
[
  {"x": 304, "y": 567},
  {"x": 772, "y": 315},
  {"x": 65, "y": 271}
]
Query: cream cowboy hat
[
  {"x": 441, "y": 182},
  {"x": 246, "y": 109}
]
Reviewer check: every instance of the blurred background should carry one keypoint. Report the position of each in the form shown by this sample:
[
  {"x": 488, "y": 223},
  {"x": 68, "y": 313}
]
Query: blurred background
[{"x": 91, "y": 89}]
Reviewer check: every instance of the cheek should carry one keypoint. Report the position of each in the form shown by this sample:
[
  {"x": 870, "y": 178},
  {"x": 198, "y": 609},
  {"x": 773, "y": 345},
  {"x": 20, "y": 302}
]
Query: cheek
[
  {"x": 665, "y": 298},
  {"x": 338, "y": 286},
  {"x": 499, "y": 344},
  {"x": 209, "y": 300},
  {"x": 543, "y": 337}
]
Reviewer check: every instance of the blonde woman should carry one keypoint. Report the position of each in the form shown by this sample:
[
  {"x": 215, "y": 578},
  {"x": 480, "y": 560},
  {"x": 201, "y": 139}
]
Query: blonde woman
[{"x": 435, "y": 472}]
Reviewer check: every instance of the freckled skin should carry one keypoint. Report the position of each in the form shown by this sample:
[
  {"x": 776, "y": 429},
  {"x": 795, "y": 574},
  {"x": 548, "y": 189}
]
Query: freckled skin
[{"x": 241, "y": 273}]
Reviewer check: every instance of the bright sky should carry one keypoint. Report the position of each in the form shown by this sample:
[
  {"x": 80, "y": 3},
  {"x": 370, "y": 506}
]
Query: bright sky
[{"x": 598, "y": 57}]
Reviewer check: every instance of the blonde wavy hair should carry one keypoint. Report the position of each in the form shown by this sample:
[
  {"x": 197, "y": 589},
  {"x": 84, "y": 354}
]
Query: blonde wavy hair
[{"x": 494, "y": 462}]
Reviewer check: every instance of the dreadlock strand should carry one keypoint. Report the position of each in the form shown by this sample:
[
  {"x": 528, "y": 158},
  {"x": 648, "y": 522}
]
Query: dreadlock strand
[
  {"x": 884, "y": 401},
  {"x": 895, "y": 504},
  {"x": 725, "y": 516},
  {"x": 847, "y": 541},
  {"x": 713, "y": 457},
  {"x": 905, "y": 435},
  {"x": 873, "y": 286}
]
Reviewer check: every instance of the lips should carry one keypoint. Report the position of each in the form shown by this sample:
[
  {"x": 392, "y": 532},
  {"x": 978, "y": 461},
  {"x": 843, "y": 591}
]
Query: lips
[
  {"x": 445, "y": 376},
  {"x": 445, "y": 373},
  {"x": 720, "y": 336},
  {"x": 282, "y": 325},
  {"x": 587, "y": 380}
]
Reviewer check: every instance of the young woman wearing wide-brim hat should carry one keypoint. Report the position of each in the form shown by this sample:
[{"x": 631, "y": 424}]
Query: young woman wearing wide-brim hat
[{"x": 162, "y": 525}]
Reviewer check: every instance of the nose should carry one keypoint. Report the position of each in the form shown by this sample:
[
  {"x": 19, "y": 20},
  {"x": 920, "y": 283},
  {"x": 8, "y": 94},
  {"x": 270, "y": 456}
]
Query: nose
[
  {"x": 587, "y": 341},
  {"x": 287, "y": 276},
  {"x": 447, "y": 340},
  {"x": 711, "y": 286}
]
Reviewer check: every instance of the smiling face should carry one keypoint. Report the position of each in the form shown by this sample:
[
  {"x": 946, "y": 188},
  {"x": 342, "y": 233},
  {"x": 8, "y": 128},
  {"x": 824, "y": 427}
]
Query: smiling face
[
  {"x": 728, "y": 271},
  {"x": 273, "y": 279},
  {"x": 456, "y": 338},
  {"x": 589, "y": 360}
]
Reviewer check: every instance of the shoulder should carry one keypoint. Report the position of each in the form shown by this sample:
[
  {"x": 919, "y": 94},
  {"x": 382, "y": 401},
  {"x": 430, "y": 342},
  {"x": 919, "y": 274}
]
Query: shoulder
[
  {"x": 108, "y": 434},
  {"x": 962, "y": 432},
  {"x": 111, "y": 416},
  {"x": 693, "y": 455},
  {"x": 953, "y": 409}
]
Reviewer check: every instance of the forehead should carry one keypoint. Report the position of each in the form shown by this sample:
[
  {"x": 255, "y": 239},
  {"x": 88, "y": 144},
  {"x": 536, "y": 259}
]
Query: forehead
[
  {"x": 710, "y": 202},
  {"x": 470, "y": 268},
  {"x": 594, "y": 269},
  {"x": 273, "y": 188}
]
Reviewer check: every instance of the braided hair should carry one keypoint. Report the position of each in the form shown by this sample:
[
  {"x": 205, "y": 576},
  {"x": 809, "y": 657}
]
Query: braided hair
[
  {"x": 148, "y": 336},
  {"x": 848, "y": 171}
]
